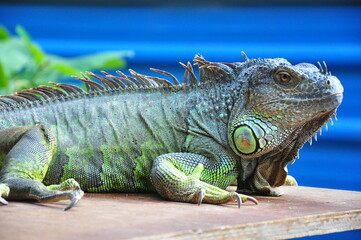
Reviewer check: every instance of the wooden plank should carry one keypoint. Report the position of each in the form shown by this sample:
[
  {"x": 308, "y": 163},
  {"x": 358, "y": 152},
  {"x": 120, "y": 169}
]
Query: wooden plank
[
  {"x": 277, "y": 229},
  {"x": 302, "y": 211}
]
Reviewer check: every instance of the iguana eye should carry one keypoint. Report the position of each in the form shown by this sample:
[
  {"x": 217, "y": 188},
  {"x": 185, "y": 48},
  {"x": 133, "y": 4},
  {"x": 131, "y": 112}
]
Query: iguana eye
[{"x": 285, "y": 79}]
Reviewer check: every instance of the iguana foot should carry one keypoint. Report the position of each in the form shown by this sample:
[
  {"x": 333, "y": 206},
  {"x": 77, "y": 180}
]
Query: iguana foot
[
  {"x": 67, "y": 190},
  {"x": 174, "y": 184},
  {"x": 21, "y": 189},
  {"x": 73, "y": 196},
  {"x": 215, "y": 195},
  {"x": 291, "y": 181},
  {"x": 212, "y": 194},
  {"x": 4, "y": 192},
  {"x": 69, "y": 184}
]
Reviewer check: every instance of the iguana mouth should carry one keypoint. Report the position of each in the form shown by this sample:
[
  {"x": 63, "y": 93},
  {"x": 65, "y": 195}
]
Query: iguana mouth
[
  {"x": 332, "y": 96},
  {"x": 311, "y": 128}
]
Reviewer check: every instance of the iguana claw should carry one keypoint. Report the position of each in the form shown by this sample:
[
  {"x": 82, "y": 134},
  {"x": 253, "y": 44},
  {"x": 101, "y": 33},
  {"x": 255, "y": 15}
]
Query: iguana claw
[
  {"x": 3, "y": 201},
  {"x": 201, "y": 195},
  {"x": 72, "y": 204},
  {"x": 243, "y": 198},
  {"x": 239, "y": 200},
  {"x": 4, "y": 191},
  {"x": 78, "y": 195},
  {"x": 252, "y": 199}
]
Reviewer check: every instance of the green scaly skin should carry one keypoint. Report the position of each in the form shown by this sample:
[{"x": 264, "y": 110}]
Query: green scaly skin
[{"x": 188, "y": 142}]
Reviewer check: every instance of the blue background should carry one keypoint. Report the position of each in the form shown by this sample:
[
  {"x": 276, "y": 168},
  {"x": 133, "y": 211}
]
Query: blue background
[{"x": 162, "y": 36}]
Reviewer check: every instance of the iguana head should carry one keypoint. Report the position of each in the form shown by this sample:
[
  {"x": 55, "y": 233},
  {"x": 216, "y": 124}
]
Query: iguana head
[{"x": 282, "y": 104}]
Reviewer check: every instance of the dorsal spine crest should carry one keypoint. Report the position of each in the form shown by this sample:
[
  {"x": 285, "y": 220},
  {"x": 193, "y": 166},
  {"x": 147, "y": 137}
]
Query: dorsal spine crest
[{"x": 210, "y": 72}]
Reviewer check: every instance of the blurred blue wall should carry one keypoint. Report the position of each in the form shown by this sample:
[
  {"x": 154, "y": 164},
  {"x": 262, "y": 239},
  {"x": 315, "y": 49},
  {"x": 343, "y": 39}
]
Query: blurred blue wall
[{"x": 161, "y": 37}]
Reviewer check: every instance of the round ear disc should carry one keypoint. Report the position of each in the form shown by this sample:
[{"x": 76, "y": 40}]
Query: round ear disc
[{"x": 245, "y": 140}]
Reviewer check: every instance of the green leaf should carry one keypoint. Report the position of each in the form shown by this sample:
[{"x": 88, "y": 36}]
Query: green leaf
[
  {"x": 14, "y": 56},
  {"x": 23, "y": 34},
  {"x": 21, "y": 84},
  {"x": 4, "y": 34},
  {"x": 113, "y": 63},
  {"x": 4, "y": 81},
  {"x": 35, "y": 50},
  {"x": 104, "y": 60},
  {"x": 23, "y": 64},
  {"x": 65, "y": 68}
]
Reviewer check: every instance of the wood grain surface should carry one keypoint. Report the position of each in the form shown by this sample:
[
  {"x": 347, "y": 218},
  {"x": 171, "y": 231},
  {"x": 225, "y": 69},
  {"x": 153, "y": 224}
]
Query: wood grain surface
[{"x": 301, "y": 211}]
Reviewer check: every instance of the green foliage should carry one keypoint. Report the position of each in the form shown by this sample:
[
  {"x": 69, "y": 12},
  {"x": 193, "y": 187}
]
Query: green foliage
[
  {"x": 23, "y": 64},
  {"x": 4, "y": 34},
  {"x": 35, "y": 51}
]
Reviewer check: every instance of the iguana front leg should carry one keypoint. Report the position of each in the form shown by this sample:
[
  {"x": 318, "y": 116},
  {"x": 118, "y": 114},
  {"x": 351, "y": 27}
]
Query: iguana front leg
[
  {"x": 183, "y": 177},
  {"x": 29, "y": 150}
]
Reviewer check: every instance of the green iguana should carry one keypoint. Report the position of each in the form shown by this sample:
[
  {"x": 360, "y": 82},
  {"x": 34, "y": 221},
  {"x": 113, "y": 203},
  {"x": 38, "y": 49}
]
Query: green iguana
[{"x": 241, "y": 122}]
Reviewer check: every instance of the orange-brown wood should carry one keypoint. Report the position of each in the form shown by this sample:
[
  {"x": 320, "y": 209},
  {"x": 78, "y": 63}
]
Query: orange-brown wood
[{"x": 301, "y": 211}]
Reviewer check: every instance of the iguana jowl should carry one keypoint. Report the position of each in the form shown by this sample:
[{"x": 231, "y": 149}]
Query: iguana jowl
[{"x": 242, "y": 121}]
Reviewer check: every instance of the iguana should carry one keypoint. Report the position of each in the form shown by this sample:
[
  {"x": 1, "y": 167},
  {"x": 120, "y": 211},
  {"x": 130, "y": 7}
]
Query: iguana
[{"x": 240, "y": 122}]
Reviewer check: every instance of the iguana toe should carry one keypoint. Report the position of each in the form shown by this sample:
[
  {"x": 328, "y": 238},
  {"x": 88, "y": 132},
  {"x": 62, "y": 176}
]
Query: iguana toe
[
  {"x": 69, "y": 184},
  {"x": 252, "y": 199},
  {"x": 201, "y": 195},
  {"x": 238, "y": 199},
  {"x": 3, "y": 201},
  {"x": 77, "y": 196},
  {"x": 4, "y": 191},
  {"x": 215, "y": 195}
]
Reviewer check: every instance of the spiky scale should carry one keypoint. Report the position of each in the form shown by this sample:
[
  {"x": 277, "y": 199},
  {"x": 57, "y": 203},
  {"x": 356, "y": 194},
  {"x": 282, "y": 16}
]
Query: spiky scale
[
  {"x": 17, "y": 98},
  {"x": 330, "y": 121},
  {"x": 29, "y": 96},
  {"x": 127, "y": 79},
  {"x": 108, "y": 84},
  {"x": 245, "y": 58},
  {"x": 175, "y": 80},
  {"x": 116, "y": 81}
]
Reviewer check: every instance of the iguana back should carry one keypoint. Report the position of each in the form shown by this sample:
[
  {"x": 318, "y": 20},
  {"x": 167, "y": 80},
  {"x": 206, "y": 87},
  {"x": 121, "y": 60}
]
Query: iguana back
[{"x": 108, "y": 141}]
